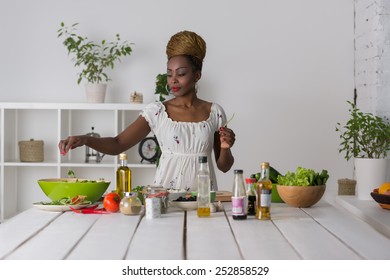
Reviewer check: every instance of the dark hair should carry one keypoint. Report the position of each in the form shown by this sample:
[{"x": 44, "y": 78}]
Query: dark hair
[{"x": 195, "y": 63}]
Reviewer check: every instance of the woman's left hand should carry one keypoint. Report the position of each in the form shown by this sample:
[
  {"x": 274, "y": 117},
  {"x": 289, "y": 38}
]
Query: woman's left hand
[{"x": 227, "y": 137}]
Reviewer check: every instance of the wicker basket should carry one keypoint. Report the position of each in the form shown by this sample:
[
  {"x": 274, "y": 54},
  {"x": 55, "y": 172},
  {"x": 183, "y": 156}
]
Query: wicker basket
[
  {"x": 31, "y": 151},
  {"x": 346, "y": 187}
]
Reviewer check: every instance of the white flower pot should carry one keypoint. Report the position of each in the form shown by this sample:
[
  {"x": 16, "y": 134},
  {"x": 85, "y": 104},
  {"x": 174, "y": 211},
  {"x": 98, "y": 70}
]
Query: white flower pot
[
  {"x": 95, "y": 93},
  {"x": 370, "y": 174}
]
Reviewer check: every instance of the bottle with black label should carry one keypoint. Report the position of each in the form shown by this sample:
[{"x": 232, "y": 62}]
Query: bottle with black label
[{"x": 251, "y": 195}]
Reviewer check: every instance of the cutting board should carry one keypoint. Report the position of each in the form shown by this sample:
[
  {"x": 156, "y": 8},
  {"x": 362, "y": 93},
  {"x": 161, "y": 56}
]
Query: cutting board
[{"x": 223, "y": 196}]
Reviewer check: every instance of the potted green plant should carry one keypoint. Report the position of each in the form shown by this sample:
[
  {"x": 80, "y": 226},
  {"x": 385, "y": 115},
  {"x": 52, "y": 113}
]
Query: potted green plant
[
  {"x": 162, "y": 88},
  {"x": 93, "y": 58},
  {"x": 366, "y": 138}
]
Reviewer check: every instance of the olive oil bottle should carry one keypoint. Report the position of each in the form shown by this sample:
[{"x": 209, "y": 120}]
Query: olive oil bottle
[
  {"x": 263, "y": 193},
  {"x": 123, "y": 176},
  {"x": 204, "y": 187}
]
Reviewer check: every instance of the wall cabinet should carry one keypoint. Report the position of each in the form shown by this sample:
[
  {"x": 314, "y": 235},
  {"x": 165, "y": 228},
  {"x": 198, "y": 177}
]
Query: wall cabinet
[{"x": 51, "y": 122}]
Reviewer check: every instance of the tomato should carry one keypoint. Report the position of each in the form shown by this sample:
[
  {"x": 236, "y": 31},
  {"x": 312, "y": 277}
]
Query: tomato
[{"x": 111, "y": 202}]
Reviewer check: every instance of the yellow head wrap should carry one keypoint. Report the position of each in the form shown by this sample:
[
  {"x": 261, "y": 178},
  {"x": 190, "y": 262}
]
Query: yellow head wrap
[{"x": 187, "y": 43}]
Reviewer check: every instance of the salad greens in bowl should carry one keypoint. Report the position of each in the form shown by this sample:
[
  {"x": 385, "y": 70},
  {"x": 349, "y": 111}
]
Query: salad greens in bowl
[
  {"x": 63, "y": 189},
  {"x": 302, "y": 188}
]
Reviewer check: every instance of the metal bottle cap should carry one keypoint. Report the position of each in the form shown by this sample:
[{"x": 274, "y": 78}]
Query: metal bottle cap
[
  {"x": 123, "y": 156},
  {"x": 265, "y": 164}
]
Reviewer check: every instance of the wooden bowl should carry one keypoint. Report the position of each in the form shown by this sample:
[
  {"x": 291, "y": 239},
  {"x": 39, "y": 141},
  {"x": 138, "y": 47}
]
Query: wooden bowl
[
  {"x": 382, "y": 199},
  {"x": 299, "y": 196}
]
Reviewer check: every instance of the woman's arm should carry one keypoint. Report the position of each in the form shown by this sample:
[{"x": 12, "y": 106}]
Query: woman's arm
[
  {"x": 129, "y": 137},
  {"x": 223, "y": 141}
]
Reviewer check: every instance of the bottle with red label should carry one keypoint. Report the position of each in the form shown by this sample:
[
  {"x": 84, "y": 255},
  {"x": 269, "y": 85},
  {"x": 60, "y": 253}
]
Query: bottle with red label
[{"x": 239, "y": 197}]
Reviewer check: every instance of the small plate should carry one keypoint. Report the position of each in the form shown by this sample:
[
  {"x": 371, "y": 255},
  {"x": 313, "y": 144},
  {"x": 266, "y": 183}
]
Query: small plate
[
  {"x": 59, "y": 208},
  {"x": 185, "y": 205}
]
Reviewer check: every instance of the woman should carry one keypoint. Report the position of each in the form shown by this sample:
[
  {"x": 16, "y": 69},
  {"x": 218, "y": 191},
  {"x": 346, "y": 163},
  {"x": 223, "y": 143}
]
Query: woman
[{"x": 185, "y": 126}]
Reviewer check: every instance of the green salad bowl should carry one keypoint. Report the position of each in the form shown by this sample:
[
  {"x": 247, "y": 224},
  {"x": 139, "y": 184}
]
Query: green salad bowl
[
  {"x": 58, "y": 188},
  {"x": 275, "y": 197}
]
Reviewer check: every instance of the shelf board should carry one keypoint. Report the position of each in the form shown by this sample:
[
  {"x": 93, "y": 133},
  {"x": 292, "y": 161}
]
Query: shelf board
[
  {"x": 75, "y": 164},
  {"x": 83, "y": 164},
  {"x": 367, "y": 210},
  {"x": 74, "y": 106},
  {"x": 112, "y": 165},
  {"x": 142, "y": 165},
  {"x": 37, "y": 164}
]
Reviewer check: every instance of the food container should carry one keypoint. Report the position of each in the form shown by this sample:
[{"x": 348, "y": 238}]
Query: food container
[
  {"x": 31, "y": 151},
  {"x": 130, "y": 204},
  {"x": 152, "y": 207},
  {"x": 157, "y": 192}
]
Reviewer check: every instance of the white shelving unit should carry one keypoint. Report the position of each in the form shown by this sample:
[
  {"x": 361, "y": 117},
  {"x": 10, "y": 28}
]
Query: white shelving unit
[{"x": 52, "y": 122}]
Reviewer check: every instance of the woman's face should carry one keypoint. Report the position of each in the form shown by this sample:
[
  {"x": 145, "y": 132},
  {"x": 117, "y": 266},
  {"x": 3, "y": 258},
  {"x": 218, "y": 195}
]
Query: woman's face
[{"x": 181, "y": 77}]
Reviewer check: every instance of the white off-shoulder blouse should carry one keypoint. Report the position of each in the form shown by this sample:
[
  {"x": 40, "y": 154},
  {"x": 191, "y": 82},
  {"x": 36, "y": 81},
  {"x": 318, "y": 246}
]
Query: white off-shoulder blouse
[{"x": 181, "y": 144}]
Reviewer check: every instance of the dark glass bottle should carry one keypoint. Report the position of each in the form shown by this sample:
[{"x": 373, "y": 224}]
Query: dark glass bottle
[{"x": 251, "y": 196}]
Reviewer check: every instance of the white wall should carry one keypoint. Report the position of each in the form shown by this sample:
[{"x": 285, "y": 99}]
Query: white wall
[{"x": 284, "y": 67}]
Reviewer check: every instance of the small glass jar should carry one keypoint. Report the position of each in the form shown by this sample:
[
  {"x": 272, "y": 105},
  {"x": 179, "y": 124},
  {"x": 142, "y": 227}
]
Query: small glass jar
[
  {"x": 160, "y": 193},
  {"x": 130, "y": 204}
]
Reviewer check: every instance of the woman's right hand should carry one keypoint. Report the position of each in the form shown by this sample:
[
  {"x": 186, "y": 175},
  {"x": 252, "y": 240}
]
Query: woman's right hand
[{"x": 71, "y": 142}]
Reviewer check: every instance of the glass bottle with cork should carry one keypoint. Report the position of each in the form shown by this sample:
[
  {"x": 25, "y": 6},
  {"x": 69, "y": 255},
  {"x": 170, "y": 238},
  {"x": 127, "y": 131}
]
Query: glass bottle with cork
[
  {"x": 123, "y": 176},
  {"x": 263, "y": 193},
  {"x": 239, "y": 197},
  {"x": 204, "y": 187}
]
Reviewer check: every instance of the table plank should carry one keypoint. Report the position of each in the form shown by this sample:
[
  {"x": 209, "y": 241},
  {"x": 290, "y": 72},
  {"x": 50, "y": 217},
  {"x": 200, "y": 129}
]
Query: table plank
[
  {"x": 210, "y": 238},
  {"x": 364, "y": 239},
  {"x": 261, "y": 240},
  {"x": 107, "y": 239},
  {"x": 308, "y": 237},
  {"x": 23, "y": 227},
  {"x": 159, "y": 238},
  {"x": 57, "y": 239}
]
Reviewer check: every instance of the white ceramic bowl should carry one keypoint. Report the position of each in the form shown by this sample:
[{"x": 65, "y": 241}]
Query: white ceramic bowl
[
  {"x": 175, "y": 194},
  {"x": 184, "y": 205}
]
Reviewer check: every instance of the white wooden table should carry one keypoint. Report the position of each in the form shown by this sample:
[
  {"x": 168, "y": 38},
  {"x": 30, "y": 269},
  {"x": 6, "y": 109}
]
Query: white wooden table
[{"x": 321, "y": 232}]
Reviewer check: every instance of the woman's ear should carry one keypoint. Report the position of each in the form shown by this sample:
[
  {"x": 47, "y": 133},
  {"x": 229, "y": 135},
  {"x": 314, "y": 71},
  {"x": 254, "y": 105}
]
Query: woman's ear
[{"x": 198, "y": 75}]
